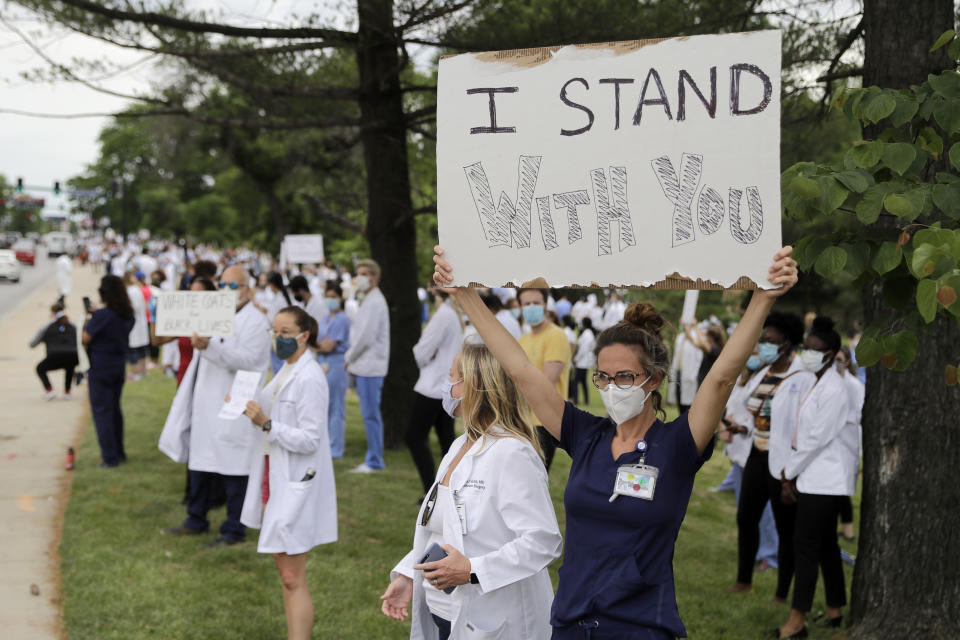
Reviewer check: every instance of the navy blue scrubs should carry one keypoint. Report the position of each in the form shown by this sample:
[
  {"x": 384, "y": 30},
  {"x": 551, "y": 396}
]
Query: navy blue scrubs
[
  {"x": 107, "y": 349},
  {"x": 617, "y": 575}
]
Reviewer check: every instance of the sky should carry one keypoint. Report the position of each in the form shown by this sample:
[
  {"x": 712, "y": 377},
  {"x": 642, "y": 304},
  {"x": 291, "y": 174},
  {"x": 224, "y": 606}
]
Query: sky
[{"x": 44, "y": 150}]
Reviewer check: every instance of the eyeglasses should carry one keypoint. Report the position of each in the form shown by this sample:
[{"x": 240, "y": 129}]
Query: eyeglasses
[
  {"x": 431, "y": 502},
  {"x": 229, "y": 285},
  {"x": 623, "y": 379}
]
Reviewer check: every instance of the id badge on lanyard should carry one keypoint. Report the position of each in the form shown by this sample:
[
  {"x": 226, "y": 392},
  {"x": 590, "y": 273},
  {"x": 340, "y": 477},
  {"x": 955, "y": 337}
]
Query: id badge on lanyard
[{"x": 636, "y": 480}]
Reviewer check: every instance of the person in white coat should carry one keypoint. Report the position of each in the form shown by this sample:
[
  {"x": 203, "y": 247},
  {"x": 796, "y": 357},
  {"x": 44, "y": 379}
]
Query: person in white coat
[
  {"x": 683, "y": 373},
  {"x": 64, "y": 279},
  {"x": 140, "y": 335},
  {"x": 291, "y": 496},
  {"x": 856, "y": 392},
  {"x": 194, "y": 434},
  {"x": 368, "y": 359},
  {"x": 819, "y": 472},
  {"x": 434, "y": 352},
  {"x": 490, "y": 510}
]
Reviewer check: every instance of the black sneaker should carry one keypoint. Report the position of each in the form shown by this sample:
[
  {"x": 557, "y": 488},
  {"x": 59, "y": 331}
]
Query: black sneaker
[{"x": 222, "y": 541}]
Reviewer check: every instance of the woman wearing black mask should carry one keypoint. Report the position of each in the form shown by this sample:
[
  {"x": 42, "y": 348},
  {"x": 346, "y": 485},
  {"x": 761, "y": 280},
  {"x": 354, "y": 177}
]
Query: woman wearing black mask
[
  {"x": 773, "y": 403},
  {"x": 820, "y": 470}
]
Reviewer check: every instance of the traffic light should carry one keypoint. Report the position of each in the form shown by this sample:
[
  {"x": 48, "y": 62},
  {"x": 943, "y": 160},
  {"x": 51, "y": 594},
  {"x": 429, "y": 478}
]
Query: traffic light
[
  {"x": 20, "y": 185},
  {"x": 56, "y": 187}
]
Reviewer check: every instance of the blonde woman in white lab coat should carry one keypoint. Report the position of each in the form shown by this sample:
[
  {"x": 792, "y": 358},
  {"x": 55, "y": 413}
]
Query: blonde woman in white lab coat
[
  {"x": 490, "y": 510},
  {"x": 291, "y": 496}
]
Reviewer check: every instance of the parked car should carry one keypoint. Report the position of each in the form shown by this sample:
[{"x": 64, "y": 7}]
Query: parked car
[
  {"x": 26, "y": 251},
  {"x": 9, "y": 267}
]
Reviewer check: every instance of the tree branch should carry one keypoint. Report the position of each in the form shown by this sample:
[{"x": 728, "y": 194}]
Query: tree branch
[
  {"x": 855, "y": 33},
  {"x": 427, "y": 16},
  {"x": 325, "y": 212},
  {"x": 291, "y": 90},
  {"x": 839, "y": 75},
  {"x": 334, "y": 37}
]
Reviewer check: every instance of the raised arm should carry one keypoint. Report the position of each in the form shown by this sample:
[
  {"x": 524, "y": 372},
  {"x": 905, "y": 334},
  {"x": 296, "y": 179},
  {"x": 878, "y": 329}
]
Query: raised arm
[
  {"x": 711, "y": 399},
  {"x": 536, "y": 387}
]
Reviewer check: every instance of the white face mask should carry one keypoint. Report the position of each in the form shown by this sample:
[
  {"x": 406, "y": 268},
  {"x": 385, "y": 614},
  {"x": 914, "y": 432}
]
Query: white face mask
[
  {"x": 811, "y": 360},
  {"x": 363, "y": 283},
  {"x": 623, "y": 404},
  {"x": 450, "y": 404}
]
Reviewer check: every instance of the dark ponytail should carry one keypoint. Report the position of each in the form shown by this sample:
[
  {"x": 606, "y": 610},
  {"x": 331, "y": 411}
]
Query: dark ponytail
[
  {"x": 277, "y": 280},
  {"x": 304, "y": 322},
  {"x": 640, "y": 330}
]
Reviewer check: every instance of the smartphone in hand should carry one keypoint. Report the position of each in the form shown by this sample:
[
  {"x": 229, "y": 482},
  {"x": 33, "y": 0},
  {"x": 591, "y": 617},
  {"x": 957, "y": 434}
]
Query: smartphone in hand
[
  {"x": 435, "y": 552},
  {"x": 87, "y": 305}
]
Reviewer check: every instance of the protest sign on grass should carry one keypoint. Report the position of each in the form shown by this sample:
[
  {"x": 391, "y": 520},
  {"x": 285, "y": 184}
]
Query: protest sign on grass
[{"x": 622, "y": 164}]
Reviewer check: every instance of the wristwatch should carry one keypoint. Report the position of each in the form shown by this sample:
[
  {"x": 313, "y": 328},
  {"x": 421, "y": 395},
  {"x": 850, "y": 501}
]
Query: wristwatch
[{"x": 267, "y": 426}]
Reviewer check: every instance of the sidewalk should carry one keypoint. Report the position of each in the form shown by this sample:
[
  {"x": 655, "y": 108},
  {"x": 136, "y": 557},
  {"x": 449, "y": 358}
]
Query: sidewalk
[{"x": 34, "y": 436}]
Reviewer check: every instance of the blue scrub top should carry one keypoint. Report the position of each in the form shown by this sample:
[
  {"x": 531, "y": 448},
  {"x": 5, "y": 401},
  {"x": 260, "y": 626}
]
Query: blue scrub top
[
  {"x": 618, "y": 562},
  {"x": 110, "y": 336},
  {"x": 336, "y": 327}
]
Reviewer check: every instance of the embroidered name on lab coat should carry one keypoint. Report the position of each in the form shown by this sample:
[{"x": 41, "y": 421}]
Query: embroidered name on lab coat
[{"x": 474, "y": 484}]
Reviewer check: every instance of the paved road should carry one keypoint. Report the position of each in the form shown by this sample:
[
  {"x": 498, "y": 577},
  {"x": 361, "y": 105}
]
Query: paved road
[{"x": 31, "y": 279}]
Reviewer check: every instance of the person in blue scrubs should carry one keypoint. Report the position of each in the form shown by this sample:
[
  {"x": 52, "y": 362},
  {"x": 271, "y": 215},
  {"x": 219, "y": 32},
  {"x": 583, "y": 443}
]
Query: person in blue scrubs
[
  {"x": 334, "y": 339},
  {"x": 106, "y": 336},
  {"x": 632, "y": 474}
]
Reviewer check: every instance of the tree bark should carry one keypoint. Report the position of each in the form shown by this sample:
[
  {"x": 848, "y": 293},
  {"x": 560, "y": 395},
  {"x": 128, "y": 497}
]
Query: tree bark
[
  {"x": 906, "y": 581},
  {"x": 390, "y": 224}
]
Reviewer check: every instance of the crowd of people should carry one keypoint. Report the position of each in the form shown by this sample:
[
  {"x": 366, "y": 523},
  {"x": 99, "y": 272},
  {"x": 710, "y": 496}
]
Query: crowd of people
[{"x": 512, "y": 365}]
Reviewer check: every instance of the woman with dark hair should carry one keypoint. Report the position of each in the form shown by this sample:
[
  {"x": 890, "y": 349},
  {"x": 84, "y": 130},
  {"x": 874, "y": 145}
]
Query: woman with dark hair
[
  {"x": 820, "y": 470},
  {"x": 281, "y": 299},
  {"x": 772, "y": 399},
  {"x": 333, "y": 341},
  {"x": 106, "y": 335},
  {"x": 632, "y": 474},
  {"x": 60, "y": 338},
  {"x": 291, "y": 496}
]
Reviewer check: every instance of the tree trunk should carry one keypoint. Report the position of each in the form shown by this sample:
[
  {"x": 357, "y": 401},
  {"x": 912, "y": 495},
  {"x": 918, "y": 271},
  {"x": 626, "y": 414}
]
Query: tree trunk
[
  {"x": 390, "y": 223},
  {"x": 906, "y": 581}
]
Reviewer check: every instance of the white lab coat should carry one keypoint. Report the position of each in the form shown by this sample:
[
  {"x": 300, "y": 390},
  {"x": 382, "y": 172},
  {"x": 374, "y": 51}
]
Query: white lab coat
[
  {"x": 613, "y": 313},
  {"x": 783, "y": 414},
  {"x": 435, "y": 351},
  {"x": 300, "y": 514},
  {"x": 369, "y": 352},
  {"x": 193, "y": 433},
  {"x": 64, "y": 280},
  {"x": 316, "y": 308},
  {"x": 509, "y": 323},
  {"x": 821, "y": 462},
  {"x": 140, "y": 334},
  {"x": 512, "y": 536},
  {"x": 739, "y": 448},
  {"x": 855, "y": 394},
  {"x": 686, "y": 359}
]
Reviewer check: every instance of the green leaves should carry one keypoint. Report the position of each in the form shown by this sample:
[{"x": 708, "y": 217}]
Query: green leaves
[
  {"x": 867, "y": 154},
  {"x": 927, "y": 299},
  {"x": 868, "y": 351},
  {"x": 898, "y": 205},
  {"x": 855, "y": 181},
  {"x": 947, "y": 199},
  {"x": 877, "y": 107},
  {"x": 805, "y": 188},
  {"x": 906, "y": 109},
  {"x": 870, "y": 206},
  {"x": 903, "y": 346},
  {"x": 900, "y": 155},
  {"x": 947, "y": 115},
  {"x": 944, "y": 38},
  {"x": 887, "y": 258},
  {"x": 830, "y": 261},
  {"x": 955, "y": 155}
]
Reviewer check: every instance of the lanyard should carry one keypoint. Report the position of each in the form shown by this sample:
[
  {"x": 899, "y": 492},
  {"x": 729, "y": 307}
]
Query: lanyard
[{"x": 636, "y": 480}]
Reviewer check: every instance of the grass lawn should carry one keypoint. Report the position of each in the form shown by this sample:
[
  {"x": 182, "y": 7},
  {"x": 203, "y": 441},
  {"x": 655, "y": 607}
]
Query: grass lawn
[{"x": 122, "y": 579}]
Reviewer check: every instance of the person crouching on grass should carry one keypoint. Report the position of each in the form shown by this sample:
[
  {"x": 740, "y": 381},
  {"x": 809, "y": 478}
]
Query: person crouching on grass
[
  {"x": 631, "y": 475},
  {"x": 291, "y": 496}
]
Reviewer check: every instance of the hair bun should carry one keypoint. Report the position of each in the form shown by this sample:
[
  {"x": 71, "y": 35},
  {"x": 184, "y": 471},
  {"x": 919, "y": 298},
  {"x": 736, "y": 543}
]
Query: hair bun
[
  {"x": 823, "y": 324},
  {"x": 644, "y": 316}
]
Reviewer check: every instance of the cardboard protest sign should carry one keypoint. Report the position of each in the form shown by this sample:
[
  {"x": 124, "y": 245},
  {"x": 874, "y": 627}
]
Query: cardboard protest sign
[
  {"x": 303, "y": 249},
  {"x": 618, "y": 164},
  {"x": 206, "y": 313}
]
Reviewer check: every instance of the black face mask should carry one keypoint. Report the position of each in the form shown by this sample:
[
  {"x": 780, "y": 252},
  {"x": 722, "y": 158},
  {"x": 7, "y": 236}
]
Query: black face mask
[{"x": 298, "y": 298}]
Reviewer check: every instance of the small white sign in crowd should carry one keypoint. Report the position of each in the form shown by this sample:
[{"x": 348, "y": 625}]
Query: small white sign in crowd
[
  {"x": 206, "y": 313},
  {"x": 612, "y": 164}
]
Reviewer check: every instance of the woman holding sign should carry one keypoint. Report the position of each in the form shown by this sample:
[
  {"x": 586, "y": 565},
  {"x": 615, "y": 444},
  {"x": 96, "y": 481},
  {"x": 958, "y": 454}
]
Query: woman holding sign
[
  {"x": 632, "y": 474},
  {"x": 291, "y": 496}
]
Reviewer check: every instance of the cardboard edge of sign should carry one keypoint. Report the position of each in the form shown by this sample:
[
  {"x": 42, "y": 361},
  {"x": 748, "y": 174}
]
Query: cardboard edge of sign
[
  {"x": 672, "y": 282},
  {"x": 536, "y": 56}
]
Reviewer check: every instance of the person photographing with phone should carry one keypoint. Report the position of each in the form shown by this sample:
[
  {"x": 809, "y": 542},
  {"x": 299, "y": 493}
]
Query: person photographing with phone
[
  {"x": 487, "y": 531},
  {"x": 291, "y": 496}
]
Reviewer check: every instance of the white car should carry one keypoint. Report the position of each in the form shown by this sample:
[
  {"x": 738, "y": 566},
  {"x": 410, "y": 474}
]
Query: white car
[{"x": 9, "y": 267}]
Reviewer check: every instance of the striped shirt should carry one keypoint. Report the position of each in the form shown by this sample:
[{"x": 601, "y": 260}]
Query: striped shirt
[{"x": 759, "y": 405}]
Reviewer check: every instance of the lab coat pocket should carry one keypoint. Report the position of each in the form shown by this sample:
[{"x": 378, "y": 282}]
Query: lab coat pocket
[
  {"x": 484, "y": 631},
  {"x": 296, "y": 515}
]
